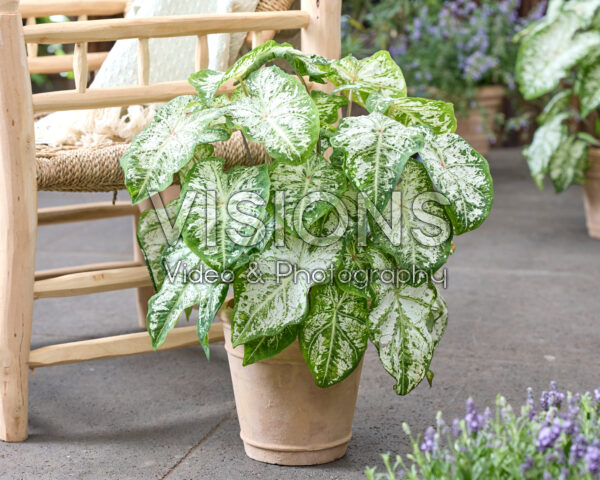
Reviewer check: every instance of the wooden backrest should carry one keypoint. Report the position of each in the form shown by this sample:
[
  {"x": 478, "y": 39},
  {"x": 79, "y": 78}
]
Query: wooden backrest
[{"x": 318, "y": 20}]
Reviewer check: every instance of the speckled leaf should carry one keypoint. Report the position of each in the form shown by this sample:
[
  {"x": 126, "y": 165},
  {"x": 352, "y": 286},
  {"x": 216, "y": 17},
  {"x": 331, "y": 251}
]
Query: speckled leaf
[
  {"x": 377, "y": 149},
  {"x": 267, "y": 347},
  {"x": 278, "y": 113},
  {"x": 206, "y": 82},
  {"x": 421, "y": 240},
  {"x": 333, "y": 338},
  {"x": 546, "y": 56},
  {"x": 179, "y": 292},
  {"x": 202, "y": 152},
  {"x": 461, "y": 175},
  {"x": 555, "y": 106},
  {"x": 167, "y": 145},
  {"x": 398, "y": 328},
  {"x": 303, "y": 185},
  {"x": 265, "y": 304},
  {"x": 377, "y": 73},
  {"x": 588, "y": 86},
  {"x": 360, "y": 260},
  {"x": 328, "y": 106},
  {"x": 546, "y": 140},
  {"x": 229, "y": 208},
  {"x": 435, "y": 114},
  {"x": 439, "y": 320},
  {"x": 152, "y": 240},
  {"x": 568, "y": 162}
]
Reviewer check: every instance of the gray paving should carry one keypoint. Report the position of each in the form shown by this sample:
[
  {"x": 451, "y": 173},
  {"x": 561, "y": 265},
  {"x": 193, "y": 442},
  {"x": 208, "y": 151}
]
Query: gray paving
[{"x": 524, "y": 297}]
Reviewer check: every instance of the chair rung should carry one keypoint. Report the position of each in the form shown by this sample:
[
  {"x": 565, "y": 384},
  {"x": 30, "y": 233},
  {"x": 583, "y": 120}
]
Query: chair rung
[
  {"x": 117, "y": 346},
  {"x": 85, "y": 211},
  {"x": 92, "y": 282},
  {"x": 44, "y": 8},
  {"x": 64, "y": 63},
  {"x": 59, "y": 272}
]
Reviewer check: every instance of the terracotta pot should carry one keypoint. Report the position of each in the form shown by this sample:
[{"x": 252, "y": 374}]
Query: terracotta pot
[
  {"x": 284, "y": 417},
  {"x": 473, "y": 128},
  {"x": 591, "y": 194}
]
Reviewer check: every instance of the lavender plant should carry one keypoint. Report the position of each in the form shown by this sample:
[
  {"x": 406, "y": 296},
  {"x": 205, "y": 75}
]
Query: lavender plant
[{"x": 557, "y": 438}]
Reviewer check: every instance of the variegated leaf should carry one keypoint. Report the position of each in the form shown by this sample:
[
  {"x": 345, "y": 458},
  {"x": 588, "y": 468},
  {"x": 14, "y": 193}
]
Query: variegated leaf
[
  {"x": 228, "y": 210},
  {"x": 398, "y": 323},
  {"x": 439, "y": 319},
  {"x": 588, "y": 86},
  {"x": 462, "y": 176},
  {"x": 435, "y": 114},
  {"x": 377, "y": 73},
  {"x": 546, "y": 140},
  {"x": 377, "y": 149},
  {"x": 309, "y": 191},
  {"x": 547, "y": 56},
  {"x": 167, "y": 145},
  {"x": 207, "y": 82},
  {"x": 180, "y": 291},
  {"x": 267, "y": 347},
  {"x": 555, "y": 106},
  {"x": 421, "y": 240},
  {"x": 152, "y": 239},
  {"x": 568, "y": 163},
  {"x": 202, "y": 152},
  {"x": 333, "y": 338},
  {"x": 279, "y": 113},
  {"x": 269, "y": 297},
  {"x": 328, "y": 106},
  {"x": 353, "y": 274}
]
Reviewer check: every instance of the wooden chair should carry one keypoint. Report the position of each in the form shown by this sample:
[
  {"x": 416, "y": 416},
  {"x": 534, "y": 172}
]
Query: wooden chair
[{"x": 319, "y": 21}]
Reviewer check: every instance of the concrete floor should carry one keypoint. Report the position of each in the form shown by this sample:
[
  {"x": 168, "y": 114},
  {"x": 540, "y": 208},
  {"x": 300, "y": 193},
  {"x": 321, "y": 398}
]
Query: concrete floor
[{"x": 524, "y": 303}]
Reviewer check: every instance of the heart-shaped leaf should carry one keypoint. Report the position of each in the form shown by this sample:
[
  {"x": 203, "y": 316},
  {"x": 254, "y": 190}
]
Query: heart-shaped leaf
[
  {"x": 377, "y": 73},
  {"x": 435, "y": 114},
  {"x": 328, "y": 106},
  {"x": 377, "y": 149},
  {"x": 188, "y": 282},
  {"x": 568, "y": 163},
  {"x": 279, "y": 113},
  {"x": 228, "y": 211},
  {"x": 353, "y": 275},
  {"x": 421, "y": 240},
  {"x": 439, "y": 320},
  {"x": 546, "y": 140},
  {"x": 152, "y": 239},
  {"x": 308, "y": 191},
  {"x": 398, "y": 328},
  {"x": 267, "y": 347},
  {"x": 333, "y": 338},
  {"x": 202, "y": 152},
  {"x": 546, "y": 56},
  {"x": 462, "y": 176},
  {"x": 272, "y": 293},
  {"x": 588, "y": 86},
  {"x": 167, "y": 145}
]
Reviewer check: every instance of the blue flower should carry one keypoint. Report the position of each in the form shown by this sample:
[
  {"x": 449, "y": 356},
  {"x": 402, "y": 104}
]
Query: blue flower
[
  {"x": 429, "y": 443},
  {"x": 592, "y": 459}
]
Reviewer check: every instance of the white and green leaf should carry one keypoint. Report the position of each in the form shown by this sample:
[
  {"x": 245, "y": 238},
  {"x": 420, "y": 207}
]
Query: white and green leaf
[
  {"x": 462, "y": 176},
  {"x": 353, "y": 275},
  {"x": 279, "y": 113},
  {"x": 179, "y": 292},
  {"x": 206, "y": 82},
  {"x": 435, "y": 114},
  {"x": 267, "y": 347},
  {"x": 328, "y": 106},
  {"x": 377, "y": 148},
  {"x": 421, "y": 240},
  {"x": 568, "y": 163},
  {"x": 268, "y": 303},
  {"x": 310, "y": 190},
  {"x": 333, "y": 338},
  {"x": 398, "y": 327},
  {"x": 167, "y": 145},
  {"x": 439, "y": 320},
  {"x": 587, "y": 86},
  {"x": 228, "y": 210},
  {"x": 360, "y": 78}
]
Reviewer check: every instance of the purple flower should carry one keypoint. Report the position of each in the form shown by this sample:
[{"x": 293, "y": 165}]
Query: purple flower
[
  {"x": 429, "y": 443},
  {"x": 527, "y": 464},
  {"x": 592, "y": 459},
  {"x": 473, "y": 418},
  {"x": 530, "y": 403},
  {"x": 456, "y": 430},
  {"x": 551, "y": 398},
  {"x": 547, "y": 436},
  {"x": 597, "y": 395},
  {"x": 578, "y": 449}
]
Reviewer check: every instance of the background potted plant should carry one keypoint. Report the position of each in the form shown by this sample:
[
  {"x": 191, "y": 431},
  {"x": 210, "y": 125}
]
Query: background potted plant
[
  {"x": 325, "y": 202},
  {"x": 557, "y": 438},
  {"x": 560, "y": 54},
  {"x": 459, "y": 51}
]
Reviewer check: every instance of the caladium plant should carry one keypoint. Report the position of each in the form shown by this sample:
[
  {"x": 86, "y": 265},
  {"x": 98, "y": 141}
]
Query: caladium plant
[
  {"x": 560, "y": 54},
  {"x": 336, "y": 239}
]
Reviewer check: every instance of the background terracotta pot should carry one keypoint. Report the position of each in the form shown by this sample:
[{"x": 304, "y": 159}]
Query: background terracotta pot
[
  {"x": 591, "y": 195},
  {"x": 477, "y": 124},
  {"x": 284, "y": 417}
]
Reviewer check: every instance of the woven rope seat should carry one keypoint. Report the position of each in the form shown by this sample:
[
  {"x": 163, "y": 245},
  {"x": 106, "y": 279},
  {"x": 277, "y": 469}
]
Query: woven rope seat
[{"x": 98, "y": 169}]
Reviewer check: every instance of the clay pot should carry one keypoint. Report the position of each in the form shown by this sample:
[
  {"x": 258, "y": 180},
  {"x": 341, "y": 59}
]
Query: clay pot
[
  {"x": 591, "y": 194},
  {"x": 473, "y": 128},
  {"x": 284, "y": 417}
]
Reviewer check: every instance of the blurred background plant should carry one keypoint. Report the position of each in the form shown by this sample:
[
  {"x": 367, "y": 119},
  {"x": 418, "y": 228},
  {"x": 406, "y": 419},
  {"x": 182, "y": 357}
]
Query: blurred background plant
[
  {"x": 446, "y": 49},
  {"x": 557, "y": 438}
]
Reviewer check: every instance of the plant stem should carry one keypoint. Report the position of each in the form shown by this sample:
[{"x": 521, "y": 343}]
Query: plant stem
[
  {"x": 244, "y": 89},
  {"x": 247, "y": 148},
  {"x": 349, "y": 110},
  {"x": 304, "y": 83}
]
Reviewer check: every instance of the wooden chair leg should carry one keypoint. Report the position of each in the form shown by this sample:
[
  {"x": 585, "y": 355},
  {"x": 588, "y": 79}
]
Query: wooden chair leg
[
  {"x": 18, "y": 223},
  {"x": 144, "y": 293}
]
